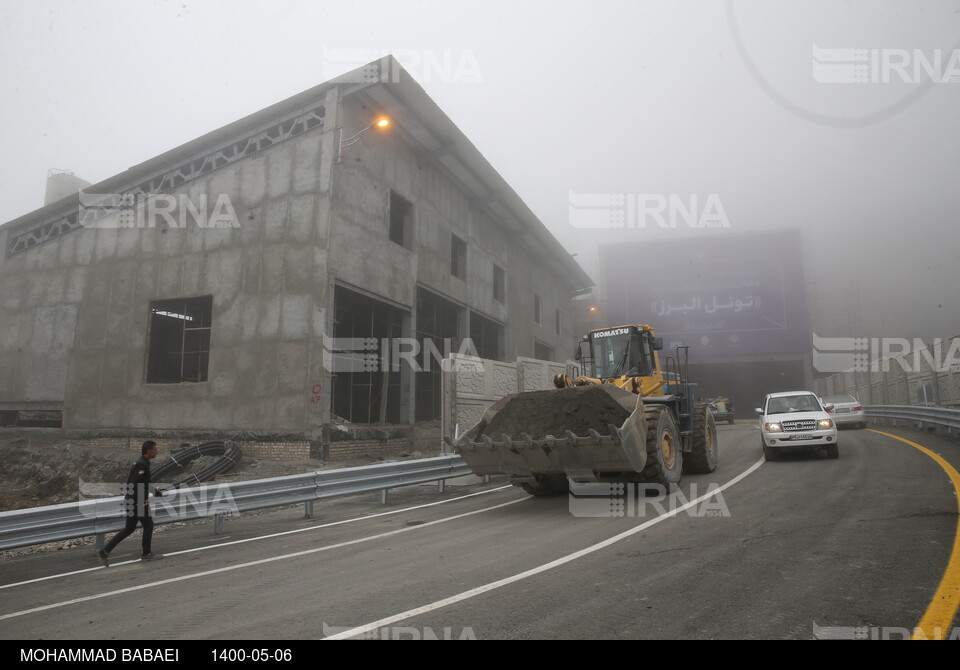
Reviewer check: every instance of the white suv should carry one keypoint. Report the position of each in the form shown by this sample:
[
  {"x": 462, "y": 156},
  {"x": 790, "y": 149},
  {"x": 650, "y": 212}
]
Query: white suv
[{"x": 796, "y": 420}]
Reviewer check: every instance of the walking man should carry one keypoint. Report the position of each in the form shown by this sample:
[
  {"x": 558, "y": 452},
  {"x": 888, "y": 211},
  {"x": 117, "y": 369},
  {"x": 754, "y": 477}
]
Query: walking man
[{"x": 136, "y": 504}]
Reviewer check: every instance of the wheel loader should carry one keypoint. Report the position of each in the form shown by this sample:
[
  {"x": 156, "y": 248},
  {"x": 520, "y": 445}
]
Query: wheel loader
[{"x": 631, "y": 421}]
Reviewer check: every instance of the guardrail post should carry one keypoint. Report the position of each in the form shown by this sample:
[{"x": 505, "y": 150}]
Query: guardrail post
[
  {"x": 441, "y": 485},
  {"x": 308, "y": 509},
  {"x": 101, "y": 538},
  {"x": 383, "y": 496},
  {"x": 486, "y": 479},
  {"x": 218, "y": 524}
]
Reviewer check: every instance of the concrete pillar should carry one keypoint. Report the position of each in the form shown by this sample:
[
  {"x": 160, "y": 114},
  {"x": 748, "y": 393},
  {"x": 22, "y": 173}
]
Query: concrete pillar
[
  {"x": 408, "y": 378},
  {"x": 327, "y": 190}
]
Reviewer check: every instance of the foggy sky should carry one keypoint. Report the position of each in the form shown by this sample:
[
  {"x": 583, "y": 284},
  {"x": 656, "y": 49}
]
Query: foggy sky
[{"x": 608, "y": 97}]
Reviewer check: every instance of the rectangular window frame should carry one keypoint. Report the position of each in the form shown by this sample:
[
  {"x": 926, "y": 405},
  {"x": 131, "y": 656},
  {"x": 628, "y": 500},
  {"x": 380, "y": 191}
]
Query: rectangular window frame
[
  {"x": 400, "y": 221},
  {"x": 178, "y": 344},
  {"x": 499, "y": 283},
  {"x": 458, "y": 257}
]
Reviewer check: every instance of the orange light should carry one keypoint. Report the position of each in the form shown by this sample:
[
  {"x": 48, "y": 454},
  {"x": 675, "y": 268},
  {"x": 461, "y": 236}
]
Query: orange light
[
  {"x": 592, "y": 308},
  {"x": 382, "y": 122}
]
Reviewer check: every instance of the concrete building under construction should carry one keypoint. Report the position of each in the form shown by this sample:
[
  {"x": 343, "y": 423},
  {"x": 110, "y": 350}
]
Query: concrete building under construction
[{"x": 252, "y": 280}]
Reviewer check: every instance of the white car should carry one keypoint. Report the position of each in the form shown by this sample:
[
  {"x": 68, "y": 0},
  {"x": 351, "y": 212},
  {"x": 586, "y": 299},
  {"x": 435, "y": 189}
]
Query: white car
[
  {"x": 796, "y": 420},
  {"x": 847, "y": 411}
]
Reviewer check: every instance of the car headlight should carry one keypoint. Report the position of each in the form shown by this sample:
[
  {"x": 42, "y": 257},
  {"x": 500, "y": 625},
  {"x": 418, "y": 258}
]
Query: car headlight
[
  {"x": 825, "y": 423},
  {"x": 772, "y": 427}
]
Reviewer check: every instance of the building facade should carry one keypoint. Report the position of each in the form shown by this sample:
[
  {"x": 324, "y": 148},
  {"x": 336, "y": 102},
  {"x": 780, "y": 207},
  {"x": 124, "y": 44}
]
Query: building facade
[{"x": 289, "y": 271}]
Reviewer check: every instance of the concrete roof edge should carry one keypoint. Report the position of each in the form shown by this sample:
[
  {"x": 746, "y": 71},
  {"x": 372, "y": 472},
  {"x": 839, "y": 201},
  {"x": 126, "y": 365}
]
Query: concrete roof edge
[{"x": 407, "y": 91}]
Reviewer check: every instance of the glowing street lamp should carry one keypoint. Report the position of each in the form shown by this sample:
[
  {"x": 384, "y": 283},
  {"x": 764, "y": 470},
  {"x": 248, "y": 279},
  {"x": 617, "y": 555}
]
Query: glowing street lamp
[{"x": 381, "y": 123}]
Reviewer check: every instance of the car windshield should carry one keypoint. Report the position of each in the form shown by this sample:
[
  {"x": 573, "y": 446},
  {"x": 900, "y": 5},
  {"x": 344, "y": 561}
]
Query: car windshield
[
  {"x": 839, "y": 399},
  {"x": 793, "y": 403}
]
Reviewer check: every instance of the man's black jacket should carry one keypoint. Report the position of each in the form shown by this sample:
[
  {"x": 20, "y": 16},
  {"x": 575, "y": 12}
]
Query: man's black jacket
[{"x": 138, "y": 486}]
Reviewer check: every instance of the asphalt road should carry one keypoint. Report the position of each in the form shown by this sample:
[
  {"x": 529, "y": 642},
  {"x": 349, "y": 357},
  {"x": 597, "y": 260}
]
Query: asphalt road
[{"x": 801, "y": 548}]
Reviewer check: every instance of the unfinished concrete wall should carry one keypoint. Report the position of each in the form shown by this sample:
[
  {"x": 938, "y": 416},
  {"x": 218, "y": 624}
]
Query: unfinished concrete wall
[
  {"x": 76, "y": 309},
  {"x": 39, "y": 301},
  {"x": 363, "y": 256}
]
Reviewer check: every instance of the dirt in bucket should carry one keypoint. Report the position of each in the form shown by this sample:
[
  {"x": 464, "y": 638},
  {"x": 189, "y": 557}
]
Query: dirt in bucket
[{"x": 553, "y": 412}]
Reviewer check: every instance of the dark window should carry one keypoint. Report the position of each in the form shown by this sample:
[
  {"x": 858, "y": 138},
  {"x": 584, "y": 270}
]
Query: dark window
[
  {"x": 537, "y": 308},
  {"x": 558, "y": 322},
  {"x": 499, "y": 283},
  {"x": 365, "y": 388},
  {"x": 486, "y": 336},
  {"x": 179, "y": 340},
  {"x": 542, "y": 352},
  {"x": 401, "y": 220},
  {"x": 458, "y": 257},
  {"x": 438, "y": 334}
]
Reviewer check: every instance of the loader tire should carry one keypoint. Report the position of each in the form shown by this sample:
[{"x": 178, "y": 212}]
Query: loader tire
[
  {"x": 664, "y": 447},
  {"x": 547, "y": 486},
  {"x": 703, "y": 456}
]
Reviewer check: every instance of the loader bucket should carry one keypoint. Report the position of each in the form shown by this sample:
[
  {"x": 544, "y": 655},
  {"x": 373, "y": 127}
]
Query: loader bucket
[{"x": 583, "y": 432}]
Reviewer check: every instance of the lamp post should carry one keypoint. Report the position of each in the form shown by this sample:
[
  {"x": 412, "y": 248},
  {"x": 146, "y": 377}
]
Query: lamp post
[{"x": 381, "y": 123}]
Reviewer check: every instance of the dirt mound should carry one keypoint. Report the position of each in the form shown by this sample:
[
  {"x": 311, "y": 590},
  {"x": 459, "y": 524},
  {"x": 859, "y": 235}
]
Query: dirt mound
[
  {"x": 32, "y": 475},
  {"x": 553, "y": 412},
  {"x": 37, "y": 472}
]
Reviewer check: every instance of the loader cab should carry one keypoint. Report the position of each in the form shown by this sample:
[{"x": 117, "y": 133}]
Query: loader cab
[{"x": 624, "y": 351}]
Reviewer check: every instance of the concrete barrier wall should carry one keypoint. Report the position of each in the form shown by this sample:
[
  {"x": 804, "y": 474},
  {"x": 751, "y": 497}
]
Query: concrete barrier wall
[
  {"x": 928, "y": 378},
  {"x": 471, "y": 385}
]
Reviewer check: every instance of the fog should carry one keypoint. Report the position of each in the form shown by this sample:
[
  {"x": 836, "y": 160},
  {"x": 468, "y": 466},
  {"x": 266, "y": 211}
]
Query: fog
[{"x": 641, "y": 102}]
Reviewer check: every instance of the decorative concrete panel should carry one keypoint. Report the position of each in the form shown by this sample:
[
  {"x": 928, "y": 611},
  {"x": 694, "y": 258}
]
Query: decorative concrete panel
[
  {"x": 943, "y": 385},
  {"x": 469, "y": 382},
  {"x": 469, "y": 413},
  {"x": 504, "y": 380},
  {"x": 529, "y": 375}
]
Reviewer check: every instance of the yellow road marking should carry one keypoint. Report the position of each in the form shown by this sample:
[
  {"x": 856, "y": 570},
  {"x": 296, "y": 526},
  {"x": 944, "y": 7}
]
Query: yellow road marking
[{"x": 936, "y": 621}]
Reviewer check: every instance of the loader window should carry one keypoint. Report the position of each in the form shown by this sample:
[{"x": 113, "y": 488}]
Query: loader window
[
  {"x": 627, "y": 354},
  {"x": 610, "y": 355}
]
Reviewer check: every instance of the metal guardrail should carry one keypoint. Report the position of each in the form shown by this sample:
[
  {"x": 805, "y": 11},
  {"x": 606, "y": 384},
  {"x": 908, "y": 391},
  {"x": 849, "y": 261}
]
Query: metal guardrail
[
  {"x": 21, "y": 528},
  {"x": 945, "y": 417}
]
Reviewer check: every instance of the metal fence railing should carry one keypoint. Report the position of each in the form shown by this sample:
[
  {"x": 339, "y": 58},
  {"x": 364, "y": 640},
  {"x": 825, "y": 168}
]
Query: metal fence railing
[
  {"x": 923, "y": 416},
  {"x": 38, "y": 525}
]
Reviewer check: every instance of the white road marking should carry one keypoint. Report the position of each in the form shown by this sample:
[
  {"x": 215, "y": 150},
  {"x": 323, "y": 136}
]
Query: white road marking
[
  {"x": 259, "y": 537},
  {"x": 380, "y": 623},
  {"x": 263, "y": 561}
]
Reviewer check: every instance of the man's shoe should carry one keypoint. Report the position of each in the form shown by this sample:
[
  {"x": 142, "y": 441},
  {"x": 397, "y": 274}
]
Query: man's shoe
[
  {"x": 151, "y": 557},
  {"x": 102, "y": 555}
]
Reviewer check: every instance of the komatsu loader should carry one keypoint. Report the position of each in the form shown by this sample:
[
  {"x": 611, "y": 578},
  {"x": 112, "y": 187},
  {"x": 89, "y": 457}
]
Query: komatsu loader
[{"x": 631, "y": 421}]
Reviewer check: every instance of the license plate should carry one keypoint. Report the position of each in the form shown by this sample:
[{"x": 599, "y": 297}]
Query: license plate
[
  {"x": 801, "y": 437},
  {"x": 841, "y": 411}
]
